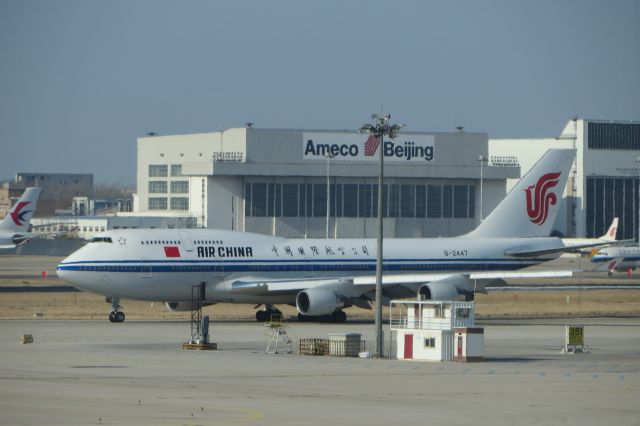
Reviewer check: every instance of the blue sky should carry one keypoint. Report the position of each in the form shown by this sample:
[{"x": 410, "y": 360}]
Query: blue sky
[{"x": 81, "y": 80}]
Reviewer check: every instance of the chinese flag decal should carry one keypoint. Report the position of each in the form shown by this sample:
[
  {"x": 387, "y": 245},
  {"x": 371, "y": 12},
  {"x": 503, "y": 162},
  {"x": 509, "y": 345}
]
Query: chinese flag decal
[{"x": 171, "y": 251}]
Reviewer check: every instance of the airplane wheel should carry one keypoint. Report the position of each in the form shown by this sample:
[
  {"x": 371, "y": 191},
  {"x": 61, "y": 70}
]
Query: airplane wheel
[
  {"x": 339, "y": 317},
  {"x": 261, "y": 316},
  {"x": 303, "y": 318},
  {"x": 116, "y": 316}
]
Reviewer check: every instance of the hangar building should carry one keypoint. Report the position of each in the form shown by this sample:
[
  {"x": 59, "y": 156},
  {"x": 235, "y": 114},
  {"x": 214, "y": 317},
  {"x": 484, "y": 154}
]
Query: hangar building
[
  {"x": 604, "y": 181},
  {"x": 278, "y": 181}
]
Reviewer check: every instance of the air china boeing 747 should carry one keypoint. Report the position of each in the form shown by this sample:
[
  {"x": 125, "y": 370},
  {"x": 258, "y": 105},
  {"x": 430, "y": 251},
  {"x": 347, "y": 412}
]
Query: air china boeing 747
[{"x": 322, "y": 276}]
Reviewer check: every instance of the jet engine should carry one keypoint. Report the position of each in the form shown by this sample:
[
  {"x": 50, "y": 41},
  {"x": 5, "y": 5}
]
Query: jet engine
[
  {"x": 452, "y": 288},
  {"x": 318, "y": 301},
  {"x": 181, "y": 306}
]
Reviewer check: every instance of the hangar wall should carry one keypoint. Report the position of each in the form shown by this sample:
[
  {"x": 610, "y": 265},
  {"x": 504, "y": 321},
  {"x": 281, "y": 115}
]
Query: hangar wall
[{"x": 274, "y": 181}]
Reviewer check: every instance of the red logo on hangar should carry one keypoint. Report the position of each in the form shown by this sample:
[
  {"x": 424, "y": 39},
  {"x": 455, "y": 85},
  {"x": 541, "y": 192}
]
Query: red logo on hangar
[{"x": 371, "y": 145}]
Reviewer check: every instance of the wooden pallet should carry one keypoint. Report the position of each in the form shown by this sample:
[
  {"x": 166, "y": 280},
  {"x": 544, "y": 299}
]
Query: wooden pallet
[{"x": 200, "y": 346}]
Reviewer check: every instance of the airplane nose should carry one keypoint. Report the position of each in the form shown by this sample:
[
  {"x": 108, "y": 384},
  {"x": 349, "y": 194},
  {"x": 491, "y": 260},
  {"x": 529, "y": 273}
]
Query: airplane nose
[{"x": 64, "y": 270}]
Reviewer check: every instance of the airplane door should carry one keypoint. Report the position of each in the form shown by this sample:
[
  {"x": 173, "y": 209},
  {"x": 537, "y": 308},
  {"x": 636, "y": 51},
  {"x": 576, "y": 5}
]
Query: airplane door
[
  {"x": 408, "y": 346},
  {"x": 185, "y": 239},
  {"x": 308, "y": 265},
  {"x": 219, "y": 270},
  {"x": 146, "y": 269}
]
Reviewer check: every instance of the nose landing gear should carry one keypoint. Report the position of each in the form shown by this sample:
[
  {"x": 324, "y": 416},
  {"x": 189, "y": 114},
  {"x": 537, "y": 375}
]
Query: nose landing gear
[{"x": 116, "y": 315}]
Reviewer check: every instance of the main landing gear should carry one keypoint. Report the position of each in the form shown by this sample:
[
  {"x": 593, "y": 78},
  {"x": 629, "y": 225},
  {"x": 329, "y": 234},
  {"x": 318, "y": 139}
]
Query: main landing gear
[
  {"x": 270, "y": 311},
  {"x": 116, "y": 315},
  {"x": 267, "y": 313},
  {"x": 337, "y": 316}
]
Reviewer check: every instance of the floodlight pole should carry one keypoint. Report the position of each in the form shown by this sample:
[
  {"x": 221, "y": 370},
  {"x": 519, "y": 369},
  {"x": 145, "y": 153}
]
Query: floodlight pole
[
  {"x": 378, "y": 324},
  {"x": 328, "y": 156},
  {"x": 481, "y": 159},
  {"x": 379, "y": 130}
]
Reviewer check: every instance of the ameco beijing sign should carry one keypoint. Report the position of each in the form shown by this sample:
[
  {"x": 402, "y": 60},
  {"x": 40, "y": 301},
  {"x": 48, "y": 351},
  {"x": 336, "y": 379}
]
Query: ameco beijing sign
[{"x": 364, "y": 147}]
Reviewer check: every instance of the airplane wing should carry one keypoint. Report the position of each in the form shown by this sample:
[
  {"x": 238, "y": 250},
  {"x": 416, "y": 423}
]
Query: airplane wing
[
  {"x": 323, "y": 296},
  {"x": 524, "y": 252}
]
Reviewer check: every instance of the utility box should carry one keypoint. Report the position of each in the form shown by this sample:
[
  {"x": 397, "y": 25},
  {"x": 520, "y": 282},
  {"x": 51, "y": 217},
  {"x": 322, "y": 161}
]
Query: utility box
[
  {"x": 425, "y": 329},
  {"x": 348, "y": 345},
  {"x": 468, "y": 343}
]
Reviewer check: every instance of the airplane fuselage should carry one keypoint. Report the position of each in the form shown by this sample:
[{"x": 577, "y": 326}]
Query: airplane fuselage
[
  {"x": 618, "y": 258},
  {"x": 165, "y": 264}
]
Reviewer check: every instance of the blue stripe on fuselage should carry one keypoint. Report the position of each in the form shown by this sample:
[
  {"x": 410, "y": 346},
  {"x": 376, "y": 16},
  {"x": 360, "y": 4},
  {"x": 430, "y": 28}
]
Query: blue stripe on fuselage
[{"x": 290, "y": 266}]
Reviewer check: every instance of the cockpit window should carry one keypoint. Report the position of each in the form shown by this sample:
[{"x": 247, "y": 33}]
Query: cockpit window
[{"x": 101, "y": 240}]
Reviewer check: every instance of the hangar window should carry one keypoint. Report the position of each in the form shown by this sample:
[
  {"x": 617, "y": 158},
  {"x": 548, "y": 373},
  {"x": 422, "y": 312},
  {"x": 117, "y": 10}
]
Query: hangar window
[
  {"x": 158, "y": 170},
  {"x": 179, "y": 203},
  {"x": 609, "y": 197},
  {"x": 394, "y": 201},
  {"x": 336, "y": 200},
  {"x": 259, "y": 199},
  {"x": 289, "y": 199},
  {"x": 421, "y": 201},
  {"x": 158, "y": 187},
  {"x": 320, "y": 200},
  {"x": 180, "y": 187},
  {"x": 176, "y": 170},
  {"x": 472, "y": 201},
  {"x": 247, "y": 199},
  {"x": 619, "y": 136},
  {"x": 460, "y": 201},
  {"x": 274, "y": 200},
  {"x": 308, "y": 199},
  {"x": 447, "y": 201},
  {"x": 365, "y": 206},
  {"x": 350, "y": 201},
  {"x": 408, "y": 200},
  {"x": 157, "y": 203},
  {"x": 434, "y": 201}
]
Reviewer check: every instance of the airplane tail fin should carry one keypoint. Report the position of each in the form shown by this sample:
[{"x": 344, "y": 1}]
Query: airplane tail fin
[
  {"x": 531, "y": 207},
  {"x": 19, "y": 217},
  {"x": 611, "y": 233}
]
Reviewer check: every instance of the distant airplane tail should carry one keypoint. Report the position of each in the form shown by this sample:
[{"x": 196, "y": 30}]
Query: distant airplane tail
[
  {"x": 531, "y": 207},
  {"x": 19, "y": 217},
  {"x": 611, "y": 233}
]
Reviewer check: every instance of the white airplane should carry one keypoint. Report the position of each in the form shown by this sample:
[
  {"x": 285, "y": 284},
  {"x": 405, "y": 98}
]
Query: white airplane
[
  {"x": 322, "y": 276},
  {"x": 619, "y": 259},
  {"x": 14, "y": 227},
  {"x": 586, "y": 244}
]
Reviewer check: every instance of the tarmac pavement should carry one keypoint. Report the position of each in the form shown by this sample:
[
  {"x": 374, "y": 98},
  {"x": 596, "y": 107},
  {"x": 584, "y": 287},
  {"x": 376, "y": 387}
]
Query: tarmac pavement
[{"x": 96, "y": 372}]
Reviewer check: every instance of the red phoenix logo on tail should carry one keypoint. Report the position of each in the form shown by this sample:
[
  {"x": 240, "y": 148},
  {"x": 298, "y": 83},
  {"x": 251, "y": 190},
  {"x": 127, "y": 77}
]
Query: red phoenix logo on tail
[
  {"x": 539, "y": 199},
  {"x": 18, "y": 215}
]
